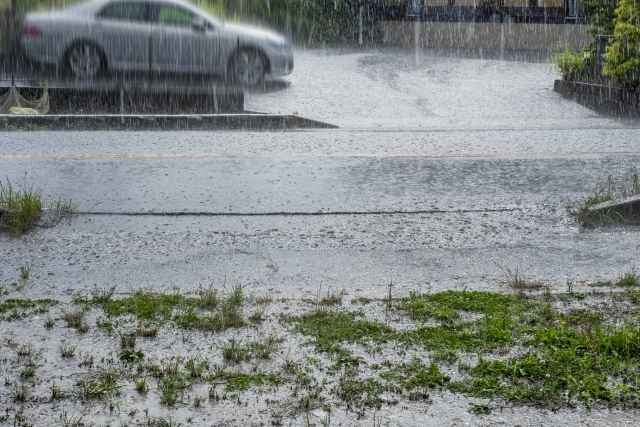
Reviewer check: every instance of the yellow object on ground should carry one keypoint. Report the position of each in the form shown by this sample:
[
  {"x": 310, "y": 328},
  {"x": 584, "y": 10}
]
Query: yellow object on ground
[
  {"x": 23, "y": 111},
  {"x": 12, "y": 99}
]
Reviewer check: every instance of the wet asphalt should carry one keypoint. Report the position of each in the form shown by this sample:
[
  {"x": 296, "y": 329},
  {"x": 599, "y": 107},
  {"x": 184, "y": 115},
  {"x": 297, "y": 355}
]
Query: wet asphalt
[{"x": 446, "y": 172}]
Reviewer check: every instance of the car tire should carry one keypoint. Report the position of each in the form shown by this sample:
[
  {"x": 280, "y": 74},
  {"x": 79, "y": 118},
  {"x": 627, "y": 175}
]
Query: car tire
[
  {"x": 85, "y": 60},
  {"x": 248, "y": 68}
]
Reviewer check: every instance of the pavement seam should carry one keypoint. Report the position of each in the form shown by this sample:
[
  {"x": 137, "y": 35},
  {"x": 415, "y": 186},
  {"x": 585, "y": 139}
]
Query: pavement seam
[
  {"x": 283, "y": 213},
  {"x": 322, "y": 155}
]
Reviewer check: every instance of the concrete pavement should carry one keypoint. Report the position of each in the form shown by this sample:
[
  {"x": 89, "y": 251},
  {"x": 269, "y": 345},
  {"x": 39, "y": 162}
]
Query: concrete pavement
[{"x": 445, "y": 171}]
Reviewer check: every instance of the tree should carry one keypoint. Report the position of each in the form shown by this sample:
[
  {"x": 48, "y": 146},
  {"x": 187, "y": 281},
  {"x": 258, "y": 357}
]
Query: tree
[
  {"x": 622, "y": 59},
  {"x": 601, "y": 14}
]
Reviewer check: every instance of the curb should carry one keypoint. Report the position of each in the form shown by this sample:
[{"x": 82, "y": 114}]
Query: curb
[
  {"x": 612, "y": 101},
  {"x": 160, "y": 122},
  {"x": 628, "y": 207}
]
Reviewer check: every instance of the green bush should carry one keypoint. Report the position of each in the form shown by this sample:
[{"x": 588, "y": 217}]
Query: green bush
[
  {"x": 622, "y": 59},
  {"x": 601, "y": 14},
  {"x": 570, "y": 63}
]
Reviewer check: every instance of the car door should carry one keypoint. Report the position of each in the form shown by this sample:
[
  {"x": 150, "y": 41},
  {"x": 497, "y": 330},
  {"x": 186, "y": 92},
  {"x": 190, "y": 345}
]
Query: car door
[
  {"x": 124, "y": 30},
  {"x": 179, "y": 46}
]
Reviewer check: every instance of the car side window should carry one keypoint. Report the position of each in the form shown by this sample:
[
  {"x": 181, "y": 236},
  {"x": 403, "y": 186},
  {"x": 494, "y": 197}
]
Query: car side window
[
  {"x": 123, "y": 11},
  {"x": 173, "y": 15}
]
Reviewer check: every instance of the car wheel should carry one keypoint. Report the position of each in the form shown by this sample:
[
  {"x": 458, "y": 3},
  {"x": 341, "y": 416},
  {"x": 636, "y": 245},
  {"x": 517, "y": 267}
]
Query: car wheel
[
  {"x": 248, "y": 67},
  {"x": 85, "y": 60}
]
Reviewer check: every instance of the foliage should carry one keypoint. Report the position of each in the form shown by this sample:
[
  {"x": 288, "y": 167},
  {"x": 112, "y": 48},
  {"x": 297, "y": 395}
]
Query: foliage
[
  {"x": 569, "y": 63},
  {"x": 567, "y": 357},
  {"x": 16, "y": 309},
  {"x": 186, "y": 312},
  {"x": 601, "y": 14},
  {"x": 20, "y": 210},
  {"x": 622, "y": 59}
]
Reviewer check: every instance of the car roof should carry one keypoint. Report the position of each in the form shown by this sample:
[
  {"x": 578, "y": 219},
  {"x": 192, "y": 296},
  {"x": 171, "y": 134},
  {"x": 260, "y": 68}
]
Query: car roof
[{"x": 93, "y": 6}]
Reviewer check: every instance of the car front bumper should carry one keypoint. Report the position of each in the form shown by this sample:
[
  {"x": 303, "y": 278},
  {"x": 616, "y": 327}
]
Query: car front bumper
[{"x": 282, "y": 63}]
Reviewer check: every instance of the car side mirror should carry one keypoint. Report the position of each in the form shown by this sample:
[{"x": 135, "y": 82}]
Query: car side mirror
[{"x": 198, "y": 24}]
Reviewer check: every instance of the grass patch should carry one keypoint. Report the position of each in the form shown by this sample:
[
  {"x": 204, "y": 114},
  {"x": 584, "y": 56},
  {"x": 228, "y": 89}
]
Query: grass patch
[
  {"x": 20, "y": 393},
  {"x": 67, "y": 350},
  {"x": 172, "y": 388},
  {"x": 74, "y": 319},
  {"x": 415, "y": 375},
  {"x": 20, "y": 209},
  {"x": 240, "y": 381},
  {"x": 102, "y": 295},
  {"x": 209, "y": 298},
  {"x": 571, "y": 357},
  {"x": 25, "y": 271},
  {"x": 360, "y": 393},
  {"x": 332, "y": 298},
  {"x": 629, "y": 279},
  {"x": 329, "y": 328},
  {"x": 186, "y": 312},
  {"x": 65, "y": 206},
  {"x": 16, "y": 309},
  {"x": 99, "y": 384}
]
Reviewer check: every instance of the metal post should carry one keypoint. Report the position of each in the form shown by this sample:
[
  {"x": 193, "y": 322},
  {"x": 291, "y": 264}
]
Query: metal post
[
  {"x": 12, "y": 38},
  {"x": 121, "y": 105},
  {"x": 360, "y": 26},
  {"x": 216, "y": 109}
]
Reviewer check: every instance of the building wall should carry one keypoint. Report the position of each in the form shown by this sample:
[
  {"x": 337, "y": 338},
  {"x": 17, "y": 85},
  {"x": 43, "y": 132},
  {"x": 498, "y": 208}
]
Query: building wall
[{"x": 470, "y": 35}]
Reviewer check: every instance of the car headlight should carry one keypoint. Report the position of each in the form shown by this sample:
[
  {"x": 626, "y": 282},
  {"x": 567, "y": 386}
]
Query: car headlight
[{"x": 278, "y": 45}]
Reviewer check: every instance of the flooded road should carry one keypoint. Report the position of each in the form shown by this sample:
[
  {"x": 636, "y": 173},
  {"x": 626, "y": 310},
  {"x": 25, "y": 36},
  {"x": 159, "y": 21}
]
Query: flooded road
[{"x": 443, "y": 175}]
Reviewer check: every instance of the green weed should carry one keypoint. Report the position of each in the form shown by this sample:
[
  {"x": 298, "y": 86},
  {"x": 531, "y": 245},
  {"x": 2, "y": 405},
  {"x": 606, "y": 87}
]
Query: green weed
[
  {"x": 196, "y": 366},
  {"x": 17, "y": 309},
  {"x": 263, "y": 349},
  {"x": 416, "y": 374},
  {"x": 74, "y": 319},
  {"x": 102, "y": 383},
  {"x": 141, "y": 385},
  {"x": 240, "y": 381},
  {"x": 20, "y": 210},
  {"x": 209, "y": 299},
  {"x": 102, "y": 295},
  {"x": 161, "y": 308},
  {"x": 330, "y": 328},
  {"x": 67, "y": 350},
  {"x": 235, "y": 351},
  {"x": 65, "y": 206},
  {"x": 49, "y": 323},
  {"x": 128, "y": 340},
  {"x": 629, "y": 278},
  {"x": 130, "y": 355},
  {"x": 172, "y": 389},
  {"x": 70, "y": 420},
  {"x": 25, "y": 271},
  {"x": 20, "y": 393},
  {"x": 358, "y": 394},
  {"x": 56, "y": 392},
  {"x": 332, "y": 298}
]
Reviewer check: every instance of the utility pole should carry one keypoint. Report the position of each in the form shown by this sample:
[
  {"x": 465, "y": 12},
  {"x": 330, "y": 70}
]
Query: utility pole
[{"x": 12, "y": 40}]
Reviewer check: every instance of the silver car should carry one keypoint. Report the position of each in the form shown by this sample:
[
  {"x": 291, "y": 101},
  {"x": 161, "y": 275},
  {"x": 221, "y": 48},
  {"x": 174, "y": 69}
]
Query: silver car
[{"x": 152, "y": 36}]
